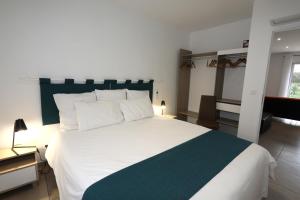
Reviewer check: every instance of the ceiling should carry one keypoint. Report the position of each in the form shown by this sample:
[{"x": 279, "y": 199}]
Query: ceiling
[
  {"x": 192, "y": 15},
  {"x": 290, "y": 39}
]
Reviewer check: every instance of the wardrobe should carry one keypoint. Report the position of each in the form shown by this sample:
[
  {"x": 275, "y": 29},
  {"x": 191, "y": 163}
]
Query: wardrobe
[{"x": 220, "y": 60}]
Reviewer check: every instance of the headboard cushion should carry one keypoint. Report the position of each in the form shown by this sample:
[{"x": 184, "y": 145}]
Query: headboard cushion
[{"x": 50, "y": 113}]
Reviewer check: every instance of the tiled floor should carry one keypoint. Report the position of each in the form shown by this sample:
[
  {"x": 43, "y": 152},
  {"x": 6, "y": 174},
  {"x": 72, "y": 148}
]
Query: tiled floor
[{"x": 282, "y": 140}]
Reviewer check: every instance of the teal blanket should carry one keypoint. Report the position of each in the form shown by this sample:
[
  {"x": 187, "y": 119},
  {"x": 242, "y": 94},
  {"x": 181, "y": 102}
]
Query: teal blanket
[{"x": 177, "y": 173}]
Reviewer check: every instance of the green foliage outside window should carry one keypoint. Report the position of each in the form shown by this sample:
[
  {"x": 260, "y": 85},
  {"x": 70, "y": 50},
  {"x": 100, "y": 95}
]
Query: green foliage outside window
[{"x": 295, "y": 86}]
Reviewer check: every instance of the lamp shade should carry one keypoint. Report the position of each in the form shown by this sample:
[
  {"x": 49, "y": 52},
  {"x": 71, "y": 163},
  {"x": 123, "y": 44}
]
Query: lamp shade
[
  {"x": 19, "y": 125},
  {"x": 163, "y": 104}
]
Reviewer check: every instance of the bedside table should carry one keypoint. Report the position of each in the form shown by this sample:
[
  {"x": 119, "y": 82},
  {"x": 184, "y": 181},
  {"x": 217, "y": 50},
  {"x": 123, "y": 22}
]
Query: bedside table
[
  {"x": 17, "y": 170},
  {"x": 169, "y": 116}
]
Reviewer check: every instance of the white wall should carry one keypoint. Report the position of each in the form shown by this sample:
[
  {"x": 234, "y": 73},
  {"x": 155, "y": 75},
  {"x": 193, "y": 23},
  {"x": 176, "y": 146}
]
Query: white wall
[
  {"x": 77, "y": 39},
  {"x": 296, "y": 58},
  {"x": 227, "y": 36},
  {"x": 275, "y": 74},
  {"x": 233, "y": 83},
  {"x": 258, "y": 60},
  {"x": 202, "y": 82}
]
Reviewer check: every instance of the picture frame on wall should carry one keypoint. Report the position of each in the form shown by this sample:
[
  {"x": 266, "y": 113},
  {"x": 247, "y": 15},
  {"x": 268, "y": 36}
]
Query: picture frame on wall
[{"x": 245, "y": 43}]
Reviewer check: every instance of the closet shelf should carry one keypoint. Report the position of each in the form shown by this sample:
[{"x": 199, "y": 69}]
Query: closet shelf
[
  {"x": 228, "y": 122},
  {"x": 233, "y": 51},
  {"x": 207, "y": 54},
  {"x": 189, "y": 114},
  {"x": 230, "y": 101}
]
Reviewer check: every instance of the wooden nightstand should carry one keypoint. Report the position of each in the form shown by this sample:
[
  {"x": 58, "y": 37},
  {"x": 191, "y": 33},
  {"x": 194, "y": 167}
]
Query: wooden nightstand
[
  {"x": 169, "y": 116},
  {"x": 17, "y": 170}
]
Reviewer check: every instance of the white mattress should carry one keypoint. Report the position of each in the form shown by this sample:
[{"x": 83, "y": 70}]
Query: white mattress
[{"x": 80, "y": 159}]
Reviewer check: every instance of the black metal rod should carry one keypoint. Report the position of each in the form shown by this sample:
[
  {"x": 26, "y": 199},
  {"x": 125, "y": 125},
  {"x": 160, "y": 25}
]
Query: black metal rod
[
  {"x": 25, "y": 147},
  {"x": 13, "y": 142},
  {"x": 14, "y": 151}
]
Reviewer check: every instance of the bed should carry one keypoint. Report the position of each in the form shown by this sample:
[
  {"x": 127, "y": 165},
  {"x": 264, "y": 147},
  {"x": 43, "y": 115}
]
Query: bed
[{"x": 81, "y": 158}]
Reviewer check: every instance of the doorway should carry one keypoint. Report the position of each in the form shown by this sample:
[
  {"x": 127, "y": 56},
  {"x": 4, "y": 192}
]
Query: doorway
[{"x": 282, "y": 136}]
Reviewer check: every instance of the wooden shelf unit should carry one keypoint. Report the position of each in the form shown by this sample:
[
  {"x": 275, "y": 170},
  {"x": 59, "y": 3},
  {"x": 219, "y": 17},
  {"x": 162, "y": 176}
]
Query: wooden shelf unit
[
  {"x": 228, "y": 122},
  {"x": 17, "y": 170},
  {"x": 233, "y": 51},
  {"x": 189, "y": 114},
  {"x": 227, "y": 105},
  {"x": 16, "y": 163},
  {"x": 230, "y": 101}
]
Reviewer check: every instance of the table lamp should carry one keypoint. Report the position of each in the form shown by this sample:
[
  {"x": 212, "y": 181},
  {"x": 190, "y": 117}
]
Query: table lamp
[
  {"x": 19, "y": 126},
  {"x": 163, "y": 106}
]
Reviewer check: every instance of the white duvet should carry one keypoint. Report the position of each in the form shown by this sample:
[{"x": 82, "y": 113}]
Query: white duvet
[{"x": 80, "y": 159}]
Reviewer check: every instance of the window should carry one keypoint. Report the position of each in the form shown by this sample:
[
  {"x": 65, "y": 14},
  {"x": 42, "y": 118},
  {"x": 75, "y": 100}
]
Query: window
[{"x": 294, "y": 89}]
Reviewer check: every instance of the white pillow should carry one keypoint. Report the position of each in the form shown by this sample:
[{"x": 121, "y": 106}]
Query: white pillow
[
  {"x": 111, "y": 95},
  {"x": 66, "y": 106},
  {"x": 98, "y": 114},
  {"x": 137, "y": 109},
  {"x": 137, "y": 94}
]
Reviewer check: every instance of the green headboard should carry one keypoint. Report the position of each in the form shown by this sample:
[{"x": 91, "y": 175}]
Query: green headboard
[{"x": 50, "y": 113}]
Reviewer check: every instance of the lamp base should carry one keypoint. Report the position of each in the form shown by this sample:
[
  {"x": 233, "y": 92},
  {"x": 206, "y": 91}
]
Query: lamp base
[
  {"x": 19, "y": 147},
  {"x": 24, "y": 147},
  {"x": 12, "y": 149}
]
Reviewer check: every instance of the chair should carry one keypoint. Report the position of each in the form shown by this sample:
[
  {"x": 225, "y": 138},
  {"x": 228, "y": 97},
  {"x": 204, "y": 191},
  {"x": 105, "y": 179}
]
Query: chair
[{"x": 207, "y": 112}]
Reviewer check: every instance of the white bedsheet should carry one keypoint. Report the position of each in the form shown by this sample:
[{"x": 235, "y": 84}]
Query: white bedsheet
[{"x": 80, "y": 159}]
